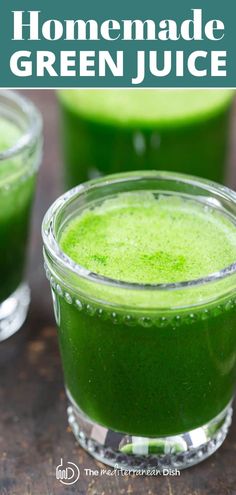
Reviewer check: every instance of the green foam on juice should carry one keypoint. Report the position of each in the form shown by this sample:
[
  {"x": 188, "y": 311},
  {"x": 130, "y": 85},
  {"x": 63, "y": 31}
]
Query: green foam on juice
[
  {"x": 139, "y": 238},
  {"x": 9, "y": 134}
]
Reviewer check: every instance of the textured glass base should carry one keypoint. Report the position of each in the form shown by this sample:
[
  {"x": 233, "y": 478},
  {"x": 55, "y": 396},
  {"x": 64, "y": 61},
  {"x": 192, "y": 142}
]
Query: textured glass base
[
  {"x": 13, "y": 311},
  {"x": 140, "y": 453}
]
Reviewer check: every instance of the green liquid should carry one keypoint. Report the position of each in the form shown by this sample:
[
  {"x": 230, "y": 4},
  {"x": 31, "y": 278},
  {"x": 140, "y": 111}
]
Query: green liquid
[
  {"x": 109, "y": 131},
  {"x": 16, "y": 190},
  {"x": 157, "y": 372}
]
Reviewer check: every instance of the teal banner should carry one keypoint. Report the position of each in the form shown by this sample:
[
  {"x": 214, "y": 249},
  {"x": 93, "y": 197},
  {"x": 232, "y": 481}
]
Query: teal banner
[{"x": 117, "y": 44}]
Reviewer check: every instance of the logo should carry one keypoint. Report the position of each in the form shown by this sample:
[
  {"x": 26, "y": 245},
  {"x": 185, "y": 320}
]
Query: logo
[{"x": 67, "y": 473}]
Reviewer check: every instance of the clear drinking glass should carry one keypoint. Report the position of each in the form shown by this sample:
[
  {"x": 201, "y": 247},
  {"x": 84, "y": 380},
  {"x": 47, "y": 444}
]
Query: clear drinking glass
[
  {"x": 20, "y": 155},
  {"x": 149, "y": 369}
]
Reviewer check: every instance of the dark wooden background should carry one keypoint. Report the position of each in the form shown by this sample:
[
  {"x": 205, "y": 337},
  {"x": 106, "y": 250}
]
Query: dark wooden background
[{"x": 34, "y": 434}]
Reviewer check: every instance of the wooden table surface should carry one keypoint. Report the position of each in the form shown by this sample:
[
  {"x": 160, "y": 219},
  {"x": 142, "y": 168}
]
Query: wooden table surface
[{"x": 34, "y": 434}]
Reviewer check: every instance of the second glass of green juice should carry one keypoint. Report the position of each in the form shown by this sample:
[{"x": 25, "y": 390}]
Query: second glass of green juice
[
  {"x": 20, "y": 157},
  {"x": 142, "y": 268},
  {"x": 108, "y": 131}
]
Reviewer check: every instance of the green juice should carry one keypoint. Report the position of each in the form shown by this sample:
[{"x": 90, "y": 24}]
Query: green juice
[
  {"x": 109, "y": 131},
  {"x": 146, "y": 372},
  {"x": 16, "y": 192}
]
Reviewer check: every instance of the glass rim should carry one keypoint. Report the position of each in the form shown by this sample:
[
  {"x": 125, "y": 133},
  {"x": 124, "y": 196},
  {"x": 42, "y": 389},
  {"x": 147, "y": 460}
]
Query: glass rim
[
  {"x": 34, "y": 123},
  {"x": 52, "y": 246}
]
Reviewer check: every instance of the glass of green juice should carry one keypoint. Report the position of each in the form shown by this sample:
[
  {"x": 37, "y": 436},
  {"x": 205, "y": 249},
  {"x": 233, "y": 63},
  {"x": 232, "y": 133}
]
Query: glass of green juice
[
  {"x": 20, "y": 154},
  {"x": 111, "y": 131},
  {"x": 142, "y": 267}
]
